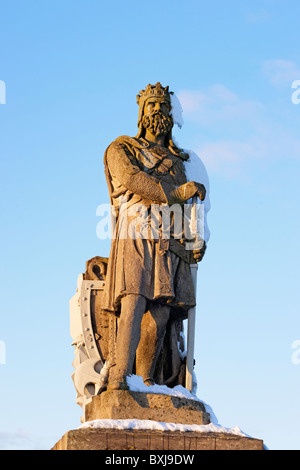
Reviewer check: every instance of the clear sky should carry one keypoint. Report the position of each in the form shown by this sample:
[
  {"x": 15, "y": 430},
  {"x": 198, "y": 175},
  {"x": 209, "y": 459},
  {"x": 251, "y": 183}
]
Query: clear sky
[{"x": 71, "y": 71}]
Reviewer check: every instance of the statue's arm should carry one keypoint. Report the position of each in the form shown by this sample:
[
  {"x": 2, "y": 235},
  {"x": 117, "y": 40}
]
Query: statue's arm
[{"x": 129, "y": 175}]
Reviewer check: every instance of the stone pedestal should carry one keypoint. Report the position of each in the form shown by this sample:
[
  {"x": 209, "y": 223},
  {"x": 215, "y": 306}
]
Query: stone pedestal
[
  {"x": 133, "y": 440},
  {"x": 123, "y": 404}
]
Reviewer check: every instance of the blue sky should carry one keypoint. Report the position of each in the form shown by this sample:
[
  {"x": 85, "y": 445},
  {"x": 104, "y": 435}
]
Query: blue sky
[{"x": 72, "y": 70}]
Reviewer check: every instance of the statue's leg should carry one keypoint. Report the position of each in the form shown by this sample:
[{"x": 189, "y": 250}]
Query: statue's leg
[
  {"x": 153, "y": 330},
  {"x": 128, "y": 337}
]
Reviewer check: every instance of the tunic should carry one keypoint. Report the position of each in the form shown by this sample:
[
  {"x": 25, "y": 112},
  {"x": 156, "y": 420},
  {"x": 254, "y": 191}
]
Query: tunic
[{"x": 147, "y": 257}]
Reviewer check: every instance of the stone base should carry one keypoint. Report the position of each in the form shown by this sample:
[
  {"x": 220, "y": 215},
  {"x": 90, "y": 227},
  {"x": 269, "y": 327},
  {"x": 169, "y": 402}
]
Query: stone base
[
  {"x": 108, "y": 439},
  {"x": 124, "y": 404}
]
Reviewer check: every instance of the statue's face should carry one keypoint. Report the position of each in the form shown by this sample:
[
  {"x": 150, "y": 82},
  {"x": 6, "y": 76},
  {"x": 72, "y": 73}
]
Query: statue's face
[
  {"x": 156, "y": 118},
  {"x": 157, "y": 105}
]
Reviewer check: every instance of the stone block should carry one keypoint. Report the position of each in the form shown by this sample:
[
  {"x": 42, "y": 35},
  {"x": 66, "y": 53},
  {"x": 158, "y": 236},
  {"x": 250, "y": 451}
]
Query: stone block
[
  {"x": 124, "y": 404},
  {"x": 108, "y": 439}
]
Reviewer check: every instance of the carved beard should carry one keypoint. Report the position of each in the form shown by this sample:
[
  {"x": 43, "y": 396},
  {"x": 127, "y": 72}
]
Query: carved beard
[{"x": 157, "y": 123}]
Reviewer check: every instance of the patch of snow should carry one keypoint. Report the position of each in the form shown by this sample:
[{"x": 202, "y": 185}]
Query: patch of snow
[
  {"x": 182, "y": 354},
  {"x": 158, "y": 426},
  {"x": 196, "y": 171},
  {"x": 176, "y": 111},
  {"x": 194, "y": 167},
  {"x": 135, "y": 384}
]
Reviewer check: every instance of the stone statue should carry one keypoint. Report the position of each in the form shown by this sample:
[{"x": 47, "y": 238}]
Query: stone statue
[
  {"x": 128, "y": 311},
  {"x": 148, "y": 284},
  {"x": 126, "y": 317}
]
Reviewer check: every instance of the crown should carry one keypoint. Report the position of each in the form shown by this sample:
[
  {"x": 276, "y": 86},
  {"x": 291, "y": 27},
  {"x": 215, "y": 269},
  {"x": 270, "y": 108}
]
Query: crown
[{"x": 156, "y": 91}]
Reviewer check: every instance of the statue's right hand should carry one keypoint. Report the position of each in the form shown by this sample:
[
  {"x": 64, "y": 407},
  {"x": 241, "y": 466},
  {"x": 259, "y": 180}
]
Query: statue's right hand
[
  {"x": 184, "y": 192},
  {"x": 197, "y": 189}
]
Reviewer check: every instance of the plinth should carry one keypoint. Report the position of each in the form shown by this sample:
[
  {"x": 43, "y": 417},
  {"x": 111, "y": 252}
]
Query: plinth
[
  {"x": 127, "y": 440},
  {"x": 129, "y": 405},
  {"x": 124, "y": 404}
]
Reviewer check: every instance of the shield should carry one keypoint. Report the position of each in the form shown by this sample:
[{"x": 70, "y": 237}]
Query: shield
[{"x": 93, "y": 332}]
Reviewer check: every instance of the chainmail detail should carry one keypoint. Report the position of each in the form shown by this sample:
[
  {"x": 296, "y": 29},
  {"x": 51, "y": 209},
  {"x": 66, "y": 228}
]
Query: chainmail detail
[{"x": 146, "y": 187}]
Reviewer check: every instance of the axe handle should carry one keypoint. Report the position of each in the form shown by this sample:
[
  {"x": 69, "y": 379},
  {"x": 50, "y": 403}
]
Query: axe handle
[
  {"x": 191, "y": 313},
  {"x": 191, "y": 335}
]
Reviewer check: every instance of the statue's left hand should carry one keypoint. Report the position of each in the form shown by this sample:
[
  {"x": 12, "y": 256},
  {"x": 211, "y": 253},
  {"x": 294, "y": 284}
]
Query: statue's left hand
[{"x": 199, "y": 252}]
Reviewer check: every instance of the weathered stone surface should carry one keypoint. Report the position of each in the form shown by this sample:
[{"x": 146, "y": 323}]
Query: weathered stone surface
[
  {"x": 149, "y": 282},
  {"x": 124, "y": 404},
  {"x": 107, "y": 439}
]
